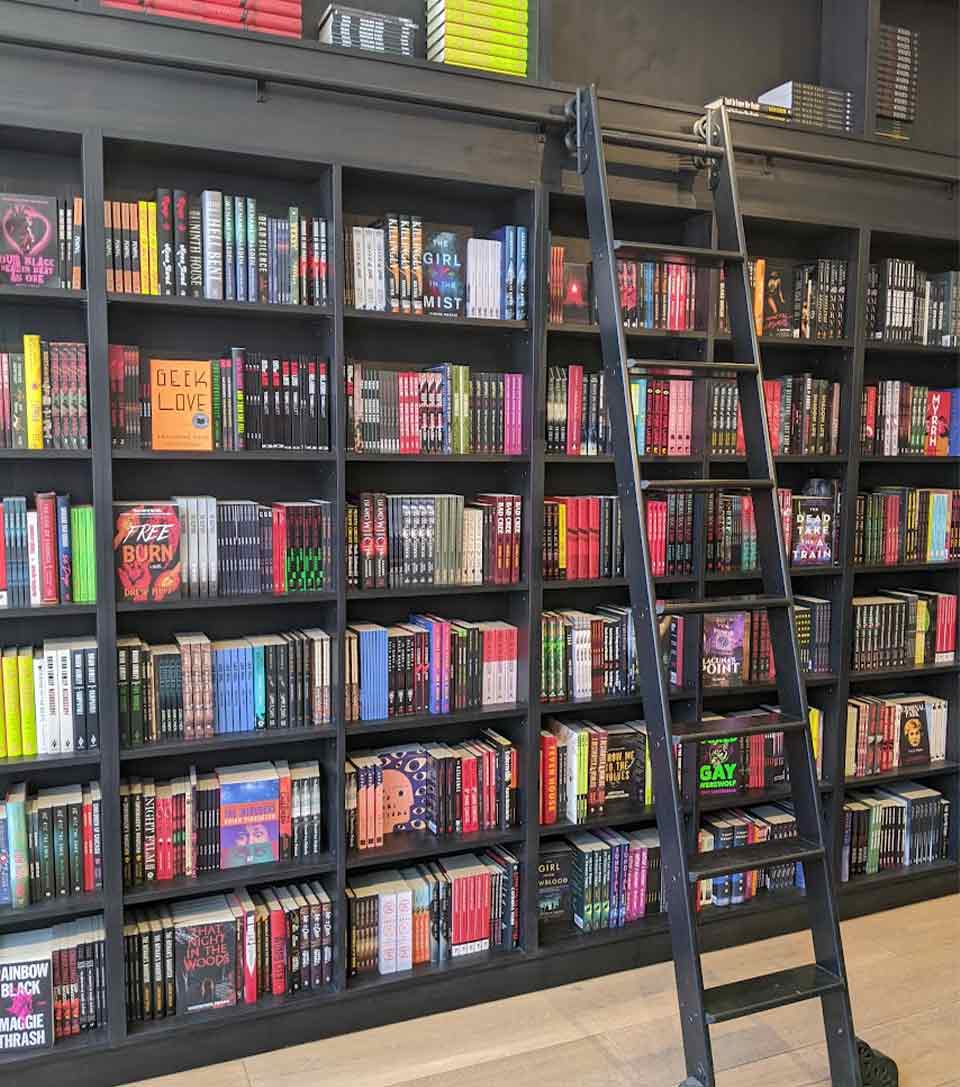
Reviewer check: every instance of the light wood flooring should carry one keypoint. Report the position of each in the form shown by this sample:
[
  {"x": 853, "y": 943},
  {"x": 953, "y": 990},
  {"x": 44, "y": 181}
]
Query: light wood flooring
[{"x": 622, "y": 1031}]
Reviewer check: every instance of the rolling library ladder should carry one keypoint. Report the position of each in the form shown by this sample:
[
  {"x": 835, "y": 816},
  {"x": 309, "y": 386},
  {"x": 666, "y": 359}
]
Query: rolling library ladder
[{"x": 678, "y": 817}]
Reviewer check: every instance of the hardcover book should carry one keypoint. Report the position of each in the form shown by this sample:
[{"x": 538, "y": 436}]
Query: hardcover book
[
  {"x": 778, "y": 299},
  {"x": 444, "y": 261},
  {"x": 553, "y": 883},
  {"x": 813, "y": 531},
  {"x": 26, "y": 991},
  {"x": 249, "y": 815},
  {"x": 726, "y": 647},
  {"x": 405, "y": 789},
  {"x": 914, "y": 734},
  {"x": 718, "y": 766},
  {"x": 625, "y": 765},
  {"x": 205, "y": 954},
  {"x": 146, "y": 548},
  {"x": 181, "y": 404},
  {"x": 576, "y": 294},
  {"x": 29, "y": 242}
]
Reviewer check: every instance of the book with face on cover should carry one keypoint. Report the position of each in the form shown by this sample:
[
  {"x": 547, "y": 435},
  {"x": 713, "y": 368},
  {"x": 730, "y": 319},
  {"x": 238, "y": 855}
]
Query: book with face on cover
[
  {"x": 249, "y": 814},
  {"x": 146, "y": 547}
]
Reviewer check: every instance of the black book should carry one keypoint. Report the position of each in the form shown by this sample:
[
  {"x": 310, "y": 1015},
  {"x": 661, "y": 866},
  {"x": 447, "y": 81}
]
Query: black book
[
  {"x": 180, "y": 243},
  {"x": 165, "y": 243}
]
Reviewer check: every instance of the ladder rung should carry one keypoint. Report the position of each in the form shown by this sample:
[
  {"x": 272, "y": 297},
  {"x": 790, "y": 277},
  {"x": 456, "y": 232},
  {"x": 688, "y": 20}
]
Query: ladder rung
[
  {"x": 656, "y": 141},
  {"x": 720, "y": 604},
  {"x": 707, "y": 484},
  {"x": 760, "y": 994},
  {"x": 677, "y": 254},
  {"x": 721, "y": 862},
  {"x": 698, "y": 368},
  {"x": 736, "y": 725}
]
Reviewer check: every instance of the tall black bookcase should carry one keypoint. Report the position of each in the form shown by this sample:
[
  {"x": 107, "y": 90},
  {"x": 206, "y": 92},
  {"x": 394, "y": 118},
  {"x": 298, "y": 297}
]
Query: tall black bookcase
[{"x": 480, "y": 181}]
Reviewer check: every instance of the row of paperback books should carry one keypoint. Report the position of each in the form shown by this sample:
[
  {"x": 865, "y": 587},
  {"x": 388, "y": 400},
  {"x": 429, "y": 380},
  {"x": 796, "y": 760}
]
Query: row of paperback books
[
  {"x": 430, "y": 913},
  {"x": 900, "y": 418},
  {"x": 803, "y": 416},
  {"x": 810, "y": 522},
  {"x": 812, "y": 104},
  {"x": 906, "y": 304},
  {"x": 397, "y": 540},
  {"x": 892, "y": 731},
  {"x": 447, "y": 409},
  {"x": 281, "y": 17},
  {"x": 898, "y": 78},
  {"x": 194, "y": 688},
  {"x": 246, "y": 399},
  {"x": 441, "y": 788},
  {"x": 355, "y": 28},
  {"x": 904, "y": 628},
  {"x": 199, "y": 547},
  {"x": 46, "y": 553},
  {"x": 51, "y": 844},
  {"x": 577, "y": 423},
  {"x": 600, "y": 879},
  {"x": 43, "y": 395},
  {"x": 654, "y": 294},
  {"x": 222, "y": 950},
  {"x": 897, "y": 525},
  {"x": 55, "y": 982},
  {"x": 215, "y": 246},
  {"x": 473, "y": 34},
  {"x": 401, "y": 265},
  {"x": 737, "y": 827},
  {"x": 429, "y": 664},
  {"x": 42, "y": 243},
  {"x": 583, "y": 537},
  {"x": 799, "y": 300},
  {"x": 49, "y": 698},
  {"x": 586, "y": 655},
  {"x": 893, "y": 827},
  {"x": 737, "y": 649},
  {"x": 211, "y": 821}
]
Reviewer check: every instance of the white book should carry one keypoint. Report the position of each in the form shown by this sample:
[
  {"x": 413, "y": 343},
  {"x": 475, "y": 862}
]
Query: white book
[
  {"x": 387, "y": 903},
  {"x": 359, "y": 285},
  {"x": 211, "y": 210},
  {"x": 203, "y": 563},
  {"x": 51, "y": 717},
  {"x": 380, "y": 271},
  {"x": 40, "y": 703},
  {"x": 370, "y": 266},
  {"x": 33, "y": 557},
  {"x": 181, "y": 504},
  {"x": 213, "y": 560},
  {"x": 404, "y": 926}
]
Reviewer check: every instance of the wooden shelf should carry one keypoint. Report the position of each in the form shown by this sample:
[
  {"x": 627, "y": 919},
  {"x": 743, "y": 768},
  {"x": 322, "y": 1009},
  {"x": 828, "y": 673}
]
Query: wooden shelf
[
  {"x": 429, "y": 319},
  {"x": 44, "y": 913},
  {"x": 41, "y": 295},
  {"x": 437, "y": 458},
  {"x": 436, "y": 720},
  {"x": 905, "y": 672},
  {"x": 51, "y": 609},
  {"x": 245, "y": 455},
  {"x": 45, "y": 454},
  {"x": 417, "y": 845},
  {"x": 405, "y": 591},
  {"x": 227, "y": 742},
  {"x": 902, "y": 773},
  {"x": 162, "y": 303},
  {"x": 31, "y": 764},
  {"x": 630, "y": 333},
  {"x": 261, "y": 600}
]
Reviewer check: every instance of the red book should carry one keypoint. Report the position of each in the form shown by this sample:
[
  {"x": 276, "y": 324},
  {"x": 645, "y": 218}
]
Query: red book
[
  {"x": 279, "y": 548},
  {"x": 870, "y": 419},
  {"x": 380, "y": 540},
  {"x": 515, "y": 554},
  {"x": 267, "y": 20},
  {"x": 548, "y": 778},
  {"x": 285, "y": 819},
  {"x": 593, "y": 512},
  {"x": 87, "y": 840},
  {"x": 574, "y": 409},
  {"x": 278, "y": 945},
  {"x": 46, "y": 506}
]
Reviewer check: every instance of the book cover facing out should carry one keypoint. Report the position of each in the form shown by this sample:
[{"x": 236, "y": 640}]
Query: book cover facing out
[
  {"x": 576, "y": 294},
  {"x": 725, "y": 649},
  {"x": 406, "y": 789},
  {"x": 26, "y": 997},
  {"x": 718, "y": 766},
  {"x": 249, "y": 822},
  {"x": 146, "y": 549},
  {"x": 29, "y": 241},
  {"x": 553, "y": 883},
  {"x": 181, "y": 404},
  {"x": 778, "y": 299},
  {"x": 206, "y": 965},
  {"x": 914, "y": 735},
  {"x": 444, "y": 267},
  {"x": 813, "y": 531},
  {"x": 625, "y": 762}
]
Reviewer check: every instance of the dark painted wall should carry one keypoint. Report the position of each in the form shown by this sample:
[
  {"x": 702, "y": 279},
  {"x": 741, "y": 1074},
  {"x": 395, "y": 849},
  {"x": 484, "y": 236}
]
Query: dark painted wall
[{"x": 686, "y": 50}]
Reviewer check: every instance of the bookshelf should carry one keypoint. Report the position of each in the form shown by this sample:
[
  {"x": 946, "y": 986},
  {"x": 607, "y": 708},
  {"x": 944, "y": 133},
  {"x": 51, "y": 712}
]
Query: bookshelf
[{"x": 345, "y": 189}]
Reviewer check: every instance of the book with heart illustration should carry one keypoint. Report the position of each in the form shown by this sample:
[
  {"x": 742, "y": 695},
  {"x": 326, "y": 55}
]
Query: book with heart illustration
[{"x": 29, "y": 241}]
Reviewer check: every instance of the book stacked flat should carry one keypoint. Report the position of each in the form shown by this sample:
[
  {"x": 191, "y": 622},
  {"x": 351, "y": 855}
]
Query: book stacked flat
[
  {"x": 354, "y": 28},
  {"x": 283, "y": 17},
  {"x": 491, "y": 36},
  {"x": 898, "y": 74},
  {"x": 811, "y": 104}
]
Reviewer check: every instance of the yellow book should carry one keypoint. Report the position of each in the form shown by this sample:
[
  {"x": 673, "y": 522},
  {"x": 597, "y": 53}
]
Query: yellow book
[
  {"x": 514, "y": 27},
  {"x": 923, "y": 625},
  {"x": 562, "y": 522},
  {"x": 515, "y": 9},
  {"x": 11, "y": 704},
  {"x": 484, "y": 50},
  {"x": 814, "y": 715},
  {"x": 3, "y": 731},
  {"x": 146, "y": 253},
  {"x": 33, "y": 387},
  {"x": 28, "y": 705},
  {"x": 154, "y": 263},
  {"x": 480, "y": 34},
  {"x": 482, "y": 63}
]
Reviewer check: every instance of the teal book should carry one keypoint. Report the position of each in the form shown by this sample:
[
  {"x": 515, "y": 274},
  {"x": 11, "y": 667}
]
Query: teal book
[
  {"x": 18, "y": 857},
  {"x": 259, "y": 688}
]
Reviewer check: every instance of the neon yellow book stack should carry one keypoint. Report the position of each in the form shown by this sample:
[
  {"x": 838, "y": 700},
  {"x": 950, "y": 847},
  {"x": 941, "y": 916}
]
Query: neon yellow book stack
[{"x": 490, "y": 35}]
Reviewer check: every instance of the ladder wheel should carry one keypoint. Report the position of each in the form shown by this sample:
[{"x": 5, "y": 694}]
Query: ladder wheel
[{"x": 876, "y": 1069}]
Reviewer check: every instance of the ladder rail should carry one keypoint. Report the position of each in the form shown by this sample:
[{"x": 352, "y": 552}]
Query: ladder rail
[{"x": 655, "y": 693}]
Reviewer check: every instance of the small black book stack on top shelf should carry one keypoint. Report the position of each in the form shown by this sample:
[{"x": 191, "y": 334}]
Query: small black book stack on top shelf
[{"x": 318, "y": 678}]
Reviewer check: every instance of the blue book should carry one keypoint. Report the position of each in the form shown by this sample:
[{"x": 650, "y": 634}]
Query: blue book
[
  {"x": 521, "y": 273},
  {"x": 64, "y": 549},
  {"x": 648, "y": 268},
  {"x": 216, "y": 662},
  {"x": 247, "y": 723},
  {"x": 240, "y": 228},
  {"x": 507, "y": 237},
  {"x": 953, "y": 440},
  {"x": 271, "y": 261}
]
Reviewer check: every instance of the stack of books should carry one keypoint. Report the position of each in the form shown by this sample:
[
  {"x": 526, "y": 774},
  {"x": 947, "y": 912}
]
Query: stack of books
[
  {"x": 281, "y": 17},
  {"x": 811, "y": 104},
  {"x": 354, "y": 28},
  {"x": 898, "y": 73},
  {"x": 479, "y": 34}
]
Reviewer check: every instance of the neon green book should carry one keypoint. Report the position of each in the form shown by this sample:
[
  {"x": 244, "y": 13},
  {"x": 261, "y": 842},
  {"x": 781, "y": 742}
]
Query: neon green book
[
  {"x": 11, "y": 704},
  {"x": 477, "y": 19},
  {"x": 28, "y": 704},
  {"x": 482, "y": 48},
  {"x": 515, "y": 9},
  {"x": 477, "y": 33},
  {"x": 447, "y": 55}
]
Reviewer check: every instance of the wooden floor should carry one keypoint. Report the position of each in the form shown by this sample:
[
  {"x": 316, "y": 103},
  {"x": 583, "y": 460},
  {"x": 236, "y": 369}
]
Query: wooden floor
[{"x": 621, "y": 1030}]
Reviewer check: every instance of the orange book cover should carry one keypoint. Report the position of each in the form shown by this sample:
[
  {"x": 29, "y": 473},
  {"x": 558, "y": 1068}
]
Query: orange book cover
[{"x": 181, "y": 404}]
